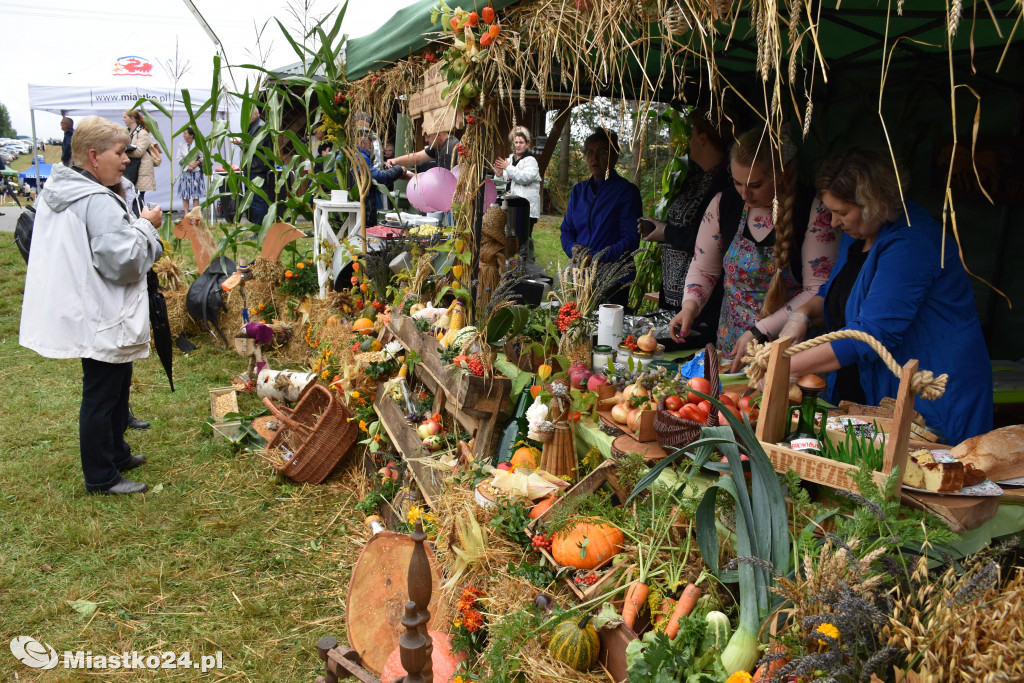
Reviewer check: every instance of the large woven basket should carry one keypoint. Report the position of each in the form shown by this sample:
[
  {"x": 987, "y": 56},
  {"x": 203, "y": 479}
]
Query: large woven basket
[
  {"x": 317, "y": 432},
  {"x": 673, "y": 431}
]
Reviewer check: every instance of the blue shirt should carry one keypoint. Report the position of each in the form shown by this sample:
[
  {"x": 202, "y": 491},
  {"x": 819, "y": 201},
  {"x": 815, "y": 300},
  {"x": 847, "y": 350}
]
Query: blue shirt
[
  {"x": 905, "y": 299},
  {"x": 603, "y": 214}
]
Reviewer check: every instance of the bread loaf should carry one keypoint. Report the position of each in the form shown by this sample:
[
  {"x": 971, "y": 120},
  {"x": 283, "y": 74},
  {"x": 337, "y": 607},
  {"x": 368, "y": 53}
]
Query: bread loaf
[{"x": 1000, "y": 453}]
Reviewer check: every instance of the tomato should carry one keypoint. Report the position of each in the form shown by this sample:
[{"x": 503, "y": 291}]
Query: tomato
[
  {"x": 698, "y": 384},
  {"x": 673, "y": 403},
  {"x": 704, "y": 407},
  {"x": 691, "y": 412},
  {"x": 734, "y": 397},
  {"x": 751, "y": 414},
  {"x": 574, "y": 416},
  {"x": 745, "y": 403},
  {"x": 726, "y": 399}
]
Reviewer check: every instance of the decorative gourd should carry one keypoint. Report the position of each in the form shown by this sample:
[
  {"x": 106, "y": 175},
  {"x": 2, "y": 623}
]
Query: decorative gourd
[
  {"x": 587, "y": 544},
  {"x": 718, "y": 633},
  {"x": 542, "y": 507},
  {"x": 442, "y": 659},
  {"x": 573, "y": 643},
  {"x": 362, "y": 325},
  {"x": 527, "y": 456}
]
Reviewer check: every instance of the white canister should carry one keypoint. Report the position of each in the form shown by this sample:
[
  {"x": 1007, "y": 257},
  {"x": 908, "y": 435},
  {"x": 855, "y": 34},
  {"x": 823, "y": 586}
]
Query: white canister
[{"x": 641, "y": 360}]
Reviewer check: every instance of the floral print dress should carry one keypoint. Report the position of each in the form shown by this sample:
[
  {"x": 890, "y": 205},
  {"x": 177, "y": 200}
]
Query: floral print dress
[{"x": 747, "y": 265}]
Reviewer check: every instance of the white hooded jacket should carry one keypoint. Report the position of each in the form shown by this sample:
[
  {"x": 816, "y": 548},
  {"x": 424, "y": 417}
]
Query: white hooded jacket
[{"x": 85, "y": 289}]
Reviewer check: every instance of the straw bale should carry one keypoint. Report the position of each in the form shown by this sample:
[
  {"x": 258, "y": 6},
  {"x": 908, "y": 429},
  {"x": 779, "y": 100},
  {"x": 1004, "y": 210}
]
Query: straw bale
[{"x": 177, "y": 315}]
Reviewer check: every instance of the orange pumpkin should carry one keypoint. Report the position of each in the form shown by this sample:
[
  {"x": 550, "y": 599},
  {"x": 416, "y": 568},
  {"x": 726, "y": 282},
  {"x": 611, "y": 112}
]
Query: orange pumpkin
[
  {"x": 362, "y": 325},
  {"x": 587, "y": 544},
  {"x": 527, "y": 457},
  {"x": 442, "y": 659},
  {"x": 542, "y": 507}
]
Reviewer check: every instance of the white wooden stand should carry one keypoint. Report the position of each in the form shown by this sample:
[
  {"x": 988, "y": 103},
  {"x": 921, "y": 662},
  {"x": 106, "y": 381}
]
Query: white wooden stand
[{"x": 350, "y": 231}]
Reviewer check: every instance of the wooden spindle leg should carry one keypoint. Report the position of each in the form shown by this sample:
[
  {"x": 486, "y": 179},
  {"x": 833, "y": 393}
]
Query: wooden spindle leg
[
  {"x": 421, "y": 585},
  {"x": 324, "y": 647},
  {"x": 412, "y": 646}
]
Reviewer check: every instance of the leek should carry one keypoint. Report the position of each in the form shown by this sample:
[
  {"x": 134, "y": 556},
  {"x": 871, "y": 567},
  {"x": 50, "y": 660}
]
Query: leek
[{"x": 741, "y": 652}]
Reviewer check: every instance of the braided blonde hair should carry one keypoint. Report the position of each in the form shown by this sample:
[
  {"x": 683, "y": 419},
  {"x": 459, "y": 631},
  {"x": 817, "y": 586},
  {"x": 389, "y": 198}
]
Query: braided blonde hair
[{"x": 751, "y": 149}]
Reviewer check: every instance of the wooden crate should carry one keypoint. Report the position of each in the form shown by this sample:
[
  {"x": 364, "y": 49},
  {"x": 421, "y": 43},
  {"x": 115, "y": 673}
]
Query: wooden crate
[
  {"x": 409, "y": 444},
  {"x": 605, "y": 473},
  {"x": 223, "y": 391}
]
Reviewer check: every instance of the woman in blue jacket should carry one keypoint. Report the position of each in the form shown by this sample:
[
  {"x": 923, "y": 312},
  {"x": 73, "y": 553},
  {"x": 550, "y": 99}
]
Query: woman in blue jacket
[{"x": 890, "y": 281}]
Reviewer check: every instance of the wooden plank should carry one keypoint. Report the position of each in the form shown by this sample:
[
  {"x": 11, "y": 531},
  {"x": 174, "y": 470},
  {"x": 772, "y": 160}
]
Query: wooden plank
[
  {"x": 773, "y": 421},
  {"x": 814, "y": 468},
  {"x": 960, "y": 513},
  {"x": 896, "y": 443},
  {"x": 408, "y": 443}
]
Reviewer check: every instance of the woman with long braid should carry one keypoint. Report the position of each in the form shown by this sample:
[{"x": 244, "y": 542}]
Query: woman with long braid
[{"x": 769, "y": 267}]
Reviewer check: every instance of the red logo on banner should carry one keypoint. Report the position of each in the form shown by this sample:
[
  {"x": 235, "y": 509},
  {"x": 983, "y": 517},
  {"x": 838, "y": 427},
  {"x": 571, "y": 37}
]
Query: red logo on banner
[{"x": 132, "y": 66}]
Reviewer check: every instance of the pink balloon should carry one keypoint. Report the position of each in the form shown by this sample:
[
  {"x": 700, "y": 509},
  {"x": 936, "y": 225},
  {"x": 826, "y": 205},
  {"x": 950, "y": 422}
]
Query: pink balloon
[
  {"x": 457, "y": 171},
  {"x": 414, "y": 191},
  {"x": 438, "y": 188},
  {"x": 490, "y": 193}
]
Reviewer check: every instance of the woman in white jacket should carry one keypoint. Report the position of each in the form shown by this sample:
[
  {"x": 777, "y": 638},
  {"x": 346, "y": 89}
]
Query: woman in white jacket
[
  {"x": 523, "y": 173},
  {"x": 85, "y": 293}
]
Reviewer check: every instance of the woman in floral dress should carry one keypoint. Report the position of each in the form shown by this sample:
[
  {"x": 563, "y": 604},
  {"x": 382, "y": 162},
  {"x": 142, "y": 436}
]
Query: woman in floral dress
[
  {"x": 191, "y": 182},
  {"x": 769, "y": 268}
]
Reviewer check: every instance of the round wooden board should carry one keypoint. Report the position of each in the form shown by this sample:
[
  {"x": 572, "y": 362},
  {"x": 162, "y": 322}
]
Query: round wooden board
[{"x": 377, "y": 594}]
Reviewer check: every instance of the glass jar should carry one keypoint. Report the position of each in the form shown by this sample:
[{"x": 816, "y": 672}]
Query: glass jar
[
  {"x": 641, "y": 360},
  {"x": 601, "y": 355}
]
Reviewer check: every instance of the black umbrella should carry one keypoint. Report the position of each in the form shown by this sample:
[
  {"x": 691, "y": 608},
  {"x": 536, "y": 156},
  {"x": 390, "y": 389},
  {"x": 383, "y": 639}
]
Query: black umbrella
[{"x": 161, "y": 326}]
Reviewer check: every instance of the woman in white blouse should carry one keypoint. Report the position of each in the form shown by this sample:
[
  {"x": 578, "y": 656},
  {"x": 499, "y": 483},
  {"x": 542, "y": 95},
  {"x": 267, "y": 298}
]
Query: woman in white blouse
[{"x": 523, "y": 173}]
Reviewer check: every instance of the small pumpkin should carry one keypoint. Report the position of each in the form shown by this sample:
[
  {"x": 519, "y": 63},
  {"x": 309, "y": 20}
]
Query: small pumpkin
[
  {"x": 575, "y": 643},
  {"x": 527, "y": 456},
  {"x": 588, "y": 544},
  {"x": 444, "y": 661},
  {"x": 541, "y": 507},
  {"x": 362, "y": 325}
]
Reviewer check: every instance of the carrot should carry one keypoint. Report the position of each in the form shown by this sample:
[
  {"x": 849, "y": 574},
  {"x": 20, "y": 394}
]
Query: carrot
[
  {"x": 686, "y": 603},
  {"x": 636, "y": 596}
]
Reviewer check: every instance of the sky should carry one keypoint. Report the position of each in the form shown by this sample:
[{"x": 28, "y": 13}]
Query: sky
[{"x": 70, "y": 41}]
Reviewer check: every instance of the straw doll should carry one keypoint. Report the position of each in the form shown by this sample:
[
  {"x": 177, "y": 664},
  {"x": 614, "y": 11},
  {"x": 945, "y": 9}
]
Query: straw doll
[{"x": 559, "y": 454}]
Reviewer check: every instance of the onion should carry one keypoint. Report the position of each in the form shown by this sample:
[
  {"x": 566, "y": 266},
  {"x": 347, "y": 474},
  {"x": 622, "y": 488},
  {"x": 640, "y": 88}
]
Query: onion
[
  {"x": 620, "y": 412},
  {"x": 647, "y": 343}
]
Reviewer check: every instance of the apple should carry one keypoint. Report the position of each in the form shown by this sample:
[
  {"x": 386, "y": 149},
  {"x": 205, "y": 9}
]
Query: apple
[
  {"x": 504, "y": 467},
  {"x": 596, "y": 381},
  {"x": 432, "y": 443}
]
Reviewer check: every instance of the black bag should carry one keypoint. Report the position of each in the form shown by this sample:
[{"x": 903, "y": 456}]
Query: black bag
[
  {"x": 204, "y": 300},
  {"x": 131, "y": 171},
  {"x": 23, "y": 231}
]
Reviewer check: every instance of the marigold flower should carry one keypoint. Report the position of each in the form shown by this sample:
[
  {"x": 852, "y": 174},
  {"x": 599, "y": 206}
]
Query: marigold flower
[
  {"x": 829, "y": 630},
  {"x": 288, "y": 275},
  {"x": 362, "y": 425},
  {"x": 300, "y": 265},
  {"x": 473, "y": 620},
  {"x": 740, "y": 677}
]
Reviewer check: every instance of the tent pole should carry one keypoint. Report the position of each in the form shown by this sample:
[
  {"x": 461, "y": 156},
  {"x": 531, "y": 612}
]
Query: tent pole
[{"x": 35, "y": 157}]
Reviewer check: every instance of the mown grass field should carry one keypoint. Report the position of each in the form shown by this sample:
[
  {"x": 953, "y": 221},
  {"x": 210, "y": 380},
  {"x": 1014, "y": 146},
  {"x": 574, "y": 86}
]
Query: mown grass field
[{"x": 223, "y": 557}]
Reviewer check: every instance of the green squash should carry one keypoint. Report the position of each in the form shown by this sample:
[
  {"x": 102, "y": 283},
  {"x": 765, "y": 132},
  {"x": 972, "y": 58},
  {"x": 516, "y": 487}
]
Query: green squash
[
  {"x": 718, "y": 633},
  {"x": 575, "y": 643}
]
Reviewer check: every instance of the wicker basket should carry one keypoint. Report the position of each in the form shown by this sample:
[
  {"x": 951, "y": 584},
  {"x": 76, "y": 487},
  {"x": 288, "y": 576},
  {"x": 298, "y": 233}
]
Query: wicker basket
[
  {"x": 318, "y": 432},
  {"x": 676, "y": 432}
]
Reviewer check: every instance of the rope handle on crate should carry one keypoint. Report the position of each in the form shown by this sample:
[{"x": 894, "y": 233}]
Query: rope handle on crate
[
  {"x": 924, "y": 382},
  {"x": 711, "y": 375},
  {"x": 286, "y": 419}
]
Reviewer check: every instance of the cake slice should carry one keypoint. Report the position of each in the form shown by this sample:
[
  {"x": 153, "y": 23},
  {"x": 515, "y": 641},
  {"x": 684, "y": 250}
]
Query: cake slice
[
  {"x": 943, "y": 477},
  {"x": 973, "y": 475},
  {"x": 914, "y": 476}
]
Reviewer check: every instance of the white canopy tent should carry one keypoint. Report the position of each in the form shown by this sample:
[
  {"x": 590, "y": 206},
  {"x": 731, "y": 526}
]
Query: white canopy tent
[{"x": 111, "y": 100}]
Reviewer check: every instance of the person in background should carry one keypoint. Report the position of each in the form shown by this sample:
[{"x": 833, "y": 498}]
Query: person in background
[
  {"x": 602, "y": 211},
  {"x": 103, "y": 311},
  {"x": 68, "y": 126},
  {"x": 708, "y": 176},
  {"x": 440, "y": 149},
  {"x": 383, "y": 177},
  {"x": 890, "y": 281},
  {"x": 259, "y": 169},
  {"x": 523, "y": 173},
  {"x": 768, "y": 268},
  {"x": 138, "y": 134},
  {"x": 191, "y": 182}
]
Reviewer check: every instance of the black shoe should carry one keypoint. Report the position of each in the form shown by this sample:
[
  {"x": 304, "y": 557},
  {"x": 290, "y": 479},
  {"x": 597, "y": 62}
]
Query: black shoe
[
  {"x": 123, "y": 488},
  {"x": 131, "y": 463},
  {"x": 136, "y": 423}
]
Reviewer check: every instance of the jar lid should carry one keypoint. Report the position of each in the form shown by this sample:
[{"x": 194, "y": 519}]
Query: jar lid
[
  {"x": 603, "y": 348},
  {"x": 643, "y": 354}
]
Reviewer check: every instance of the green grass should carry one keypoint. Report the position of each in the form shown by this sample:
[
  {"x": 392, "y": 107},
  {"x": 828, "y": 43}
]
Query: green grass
[
  {"x": 52, "y": 156},
  {"x": 547, "y": 244},
  {"x": 225, "y": 557}
]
